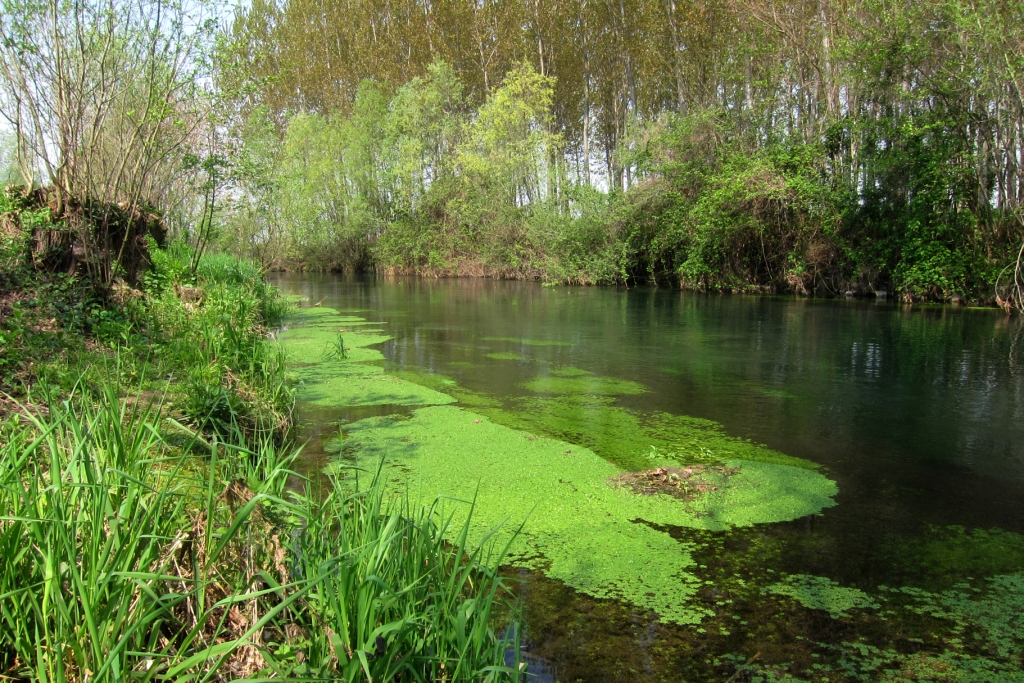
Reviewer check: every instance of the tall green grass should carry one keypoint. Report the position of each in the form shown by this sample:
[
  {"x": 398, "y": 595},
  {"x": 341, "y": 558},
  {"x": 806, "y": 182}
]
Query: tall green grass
[
  {"x": 395, "y": 601},
  {"x": 152, "y": 533},
  {"x": 226, "y": 376},
  {"x": 100, "y": 524},
  {"x": 131, "y": 547}
]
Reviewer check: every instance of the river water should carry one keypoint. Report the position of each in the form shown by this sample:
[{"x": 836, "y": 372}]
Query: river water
[{"x": 916, "y": 413}]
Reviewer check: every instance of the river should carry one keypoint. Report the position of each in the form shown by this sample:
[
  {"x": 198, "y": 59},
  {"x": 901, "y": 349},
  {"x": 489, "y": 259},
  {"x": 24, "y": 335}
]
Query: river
[{"x": 916, "y": 414}]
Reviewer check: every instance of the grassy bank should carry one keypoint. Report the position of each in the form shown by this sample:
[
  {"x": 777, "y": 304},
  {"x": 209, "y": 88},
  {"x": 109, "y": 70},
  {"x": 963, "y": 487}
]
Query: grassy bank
[{"x": 148, "y": 529}]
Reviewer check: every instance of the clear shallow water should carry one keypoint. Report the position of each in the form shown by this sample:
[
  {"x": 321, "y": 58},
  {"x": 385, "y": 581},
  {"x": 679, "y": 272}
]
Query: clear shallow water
[{"x": 915, "y": 413}]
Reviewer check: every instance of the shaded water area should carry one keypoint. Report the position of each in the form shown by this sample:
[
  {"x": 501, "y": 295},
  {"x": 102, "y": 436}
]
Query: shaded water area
[{"x": 916, "y": 414}]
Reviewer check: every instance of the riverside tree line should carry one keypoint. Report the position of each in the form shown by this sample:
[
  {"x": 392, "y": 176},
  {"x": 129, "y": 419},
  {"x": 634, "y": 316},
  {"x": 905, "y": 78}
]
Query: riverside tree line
[
  {"x": 800, "y": 145},
  {"x": 808, "y": 146}
]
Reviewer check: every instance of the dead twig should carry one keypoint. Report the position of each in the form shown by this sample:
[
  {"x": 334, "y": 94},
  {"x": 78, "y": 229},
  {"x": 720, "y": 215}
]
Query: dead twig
[{"x": 736, "y": 673}]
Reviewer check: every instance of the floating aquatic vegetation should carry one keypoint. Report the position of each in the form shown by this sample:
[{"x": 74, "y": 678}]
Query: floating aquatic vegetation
[
  {"x": 942, "y": 556},
  {"x": 578, "y": 529},
  {"x": 324, "y": 377},
  {"x": 527, "y": 342},
  {"x": 623, "y": 436},
  {"x": 995, "y": 613},
  {"x": 506, "y": 355},
  {"x": 819, "y": 592},
  {"x": 985, "y": 643},
  {"x": 590, "y": 385},
  {"x": 570, "y": 372},
  {"x": 777, "y": 393},
  {"x": 975, "y": 633}
]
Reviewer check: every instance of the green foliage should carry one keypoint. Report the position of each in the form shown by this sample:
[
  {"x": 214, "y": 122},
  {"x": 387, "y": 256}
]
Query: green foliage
[
  {"x": 209, "y": 328},
  {"x": 555, "y": 487},
  {"x": 818, "y": 592},
  {"x": 126, "y": 555},
  {"x": 9, "y": 173},
  {"x": 820, "y": 149},
  {"x": 396, "y": 599},
  {"x": 135, "y": 546},
  {"x": 919, "y": 220},
  {"x": 96, "y": 510},
  {"x": 724, "y": 214},
  {"x": 574, "y": 242},
  {"x": 507, "y": 144}
]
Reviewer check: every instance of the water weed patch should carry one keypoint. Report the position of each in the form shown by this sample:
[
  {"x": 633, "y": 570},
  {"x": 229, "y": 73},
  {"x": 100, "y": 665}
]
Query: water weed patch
[
  {"x": 527, "y": 342},
  {"x": 585, "y": 384},
  {"x": 626, "y": 437},
  {"x": 578, "y": 529},
  {"x": 818, "y": 592},
  {"x": 506, "y": 355},
  {"x": 312, "y": 338}
]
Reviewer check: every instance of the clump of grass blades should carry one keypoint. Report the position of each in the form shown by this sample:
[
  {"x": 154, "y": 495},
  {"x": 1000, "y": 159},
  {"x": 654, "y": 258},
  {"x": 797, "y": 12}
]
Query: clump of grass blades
[
  {"x": 395, "y": 601},
  {"x": 114, "y": 548},
  {"x": 126, "y": 557},
  {"x": 232, "y": 378},
  {"x": 336, "y": 349}
]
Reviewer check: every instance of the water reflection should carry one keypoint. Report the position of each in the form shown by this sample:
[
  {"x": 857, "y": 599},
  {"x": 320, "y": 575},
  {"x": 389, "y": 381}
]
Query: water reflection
[
  {"x": 916, "y": 413},
  {"x": 866, "y": 389}
]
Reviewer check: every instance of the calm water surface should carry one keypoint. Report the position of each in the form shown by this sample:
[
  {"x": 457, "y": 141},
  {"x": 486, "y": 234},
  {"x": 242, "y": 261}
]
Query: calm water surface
[{"x": 916, "y": 413}]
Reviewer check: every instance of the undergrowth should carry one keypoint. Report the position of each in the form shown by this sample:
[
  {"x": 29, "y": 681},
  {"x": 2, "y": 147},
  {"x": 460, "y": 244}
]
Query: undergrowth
[
  {"x": 151, "y": 526},
  {"x": 133, "y": 547}
]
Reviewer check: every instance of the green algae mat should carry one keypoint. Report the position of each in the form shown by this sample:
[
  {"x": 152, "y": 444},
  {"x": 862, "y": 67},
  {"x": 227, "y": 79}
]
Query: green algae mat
[
  {"x": 518, "y": 472},
  {"x": 326, "y": 375}
]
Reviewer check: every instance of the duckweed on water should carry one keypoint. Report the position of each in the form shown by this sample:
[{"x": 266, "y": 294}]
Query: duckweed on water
[
  {"x": 350, "y": 381},
  {"x": 995, "y": 613},
  {"x": 506, "y": 355},
  {"x": 598, "y": 539},
  {"x": 611, "y": 543},
  {"x": 818, "y": 592},
  {"x": 579, "y": 530},
  {"x": 527, "y": 342},
  {"x": 986, "y": 643},
  {"x": 570, "y": 372},
  {"x": 623, "y": 436},
  {"x": 585, "y": 384},
  {"x": 943, "y": 556}
]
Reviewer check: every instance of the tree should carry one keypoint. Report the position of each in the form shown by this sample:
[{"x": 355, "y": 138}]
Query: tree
[{"x": 102, "y": 96}]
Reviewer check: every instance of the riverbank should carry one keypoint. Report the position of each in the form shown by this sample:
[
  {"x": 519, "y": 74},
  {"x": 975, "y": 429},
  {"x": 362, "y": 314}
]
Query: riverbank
[{"x": 150, "y": 521}]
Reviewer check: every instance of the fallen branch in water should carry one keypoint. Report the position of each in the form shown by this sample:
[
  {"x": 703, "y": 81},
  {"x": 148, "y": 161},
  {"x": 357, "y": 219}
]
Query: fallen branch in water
[{"x": 739, "y": 670}]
